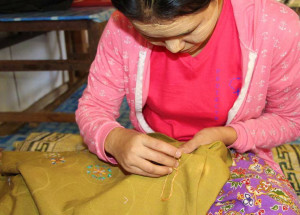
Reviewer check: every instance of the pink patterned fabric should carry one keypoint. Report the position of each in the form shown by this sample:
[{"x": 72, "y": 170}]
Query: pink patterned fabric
[{"x": 267, "y": 111}]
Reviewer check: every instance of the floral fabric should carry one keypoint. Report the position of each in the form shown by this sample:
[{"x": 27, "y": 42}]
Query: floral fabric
[{"x": 254, "y": 188}]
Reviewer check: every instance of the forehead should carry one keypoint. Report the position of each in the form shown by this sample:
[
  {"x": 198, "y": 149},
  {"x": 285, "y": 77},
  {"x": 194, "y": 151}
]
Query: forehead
[{"x": 177, "y": 26}]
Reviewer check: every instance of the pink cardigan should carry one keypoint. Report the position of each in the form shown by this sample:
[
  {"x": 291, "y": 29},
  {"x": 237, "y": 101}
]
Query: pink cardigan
[{"x": 267, "y": 111}]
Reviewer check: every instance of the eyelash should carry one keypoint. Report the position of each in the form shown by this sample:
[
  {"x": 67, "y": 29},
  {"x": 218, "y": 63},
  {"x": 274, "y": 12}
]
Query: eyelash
[
  {"x": 161, "y": 40},
  {"x": 153, "y": 39}
]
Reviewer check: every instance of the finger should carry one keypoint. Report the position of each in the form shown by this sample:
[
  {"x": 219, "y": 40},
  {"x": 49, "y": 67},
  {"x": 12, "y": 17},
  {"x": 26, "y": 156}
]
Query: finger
[
  {"x": 151, "y": 168},
  {"x": 163, "y": 147},
  {"x": 189, "y": 146},
  {"x": 158, "y": 157},
  {"x": 138, "y": 171}
]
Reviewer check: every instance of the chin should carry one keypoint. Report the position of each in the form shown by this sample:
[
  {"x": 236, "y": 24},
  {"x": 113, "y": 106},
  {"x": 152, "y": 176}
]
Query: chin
[{"x": 188, "y": 51}]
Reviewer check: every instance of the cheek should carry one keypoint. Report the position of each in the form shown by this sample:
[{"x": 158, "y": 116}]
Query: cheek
[
  {"x": 200, "y": 35},
  {"x": 196, "y": 38}
]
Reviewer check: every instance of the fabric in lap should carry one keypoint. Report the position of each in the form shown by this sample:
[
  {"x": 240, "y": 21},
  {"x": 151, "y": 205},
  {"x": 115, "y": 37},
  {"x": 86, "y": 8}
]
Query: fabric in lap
[{"x": 79, "y": 183}]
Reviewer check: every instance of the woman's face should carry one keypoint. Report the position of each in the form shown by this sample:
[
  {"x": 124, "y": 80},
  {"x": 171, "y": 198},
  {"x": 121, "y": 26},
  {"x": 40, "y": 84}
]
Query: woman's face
[{"x": 186, "y": 34}]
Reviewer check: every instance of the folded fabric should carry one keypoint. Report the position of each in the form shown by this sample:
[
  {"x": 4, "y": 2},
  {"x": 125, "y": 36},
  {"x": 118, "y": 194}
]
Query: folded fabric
[
  {"x": 285, "y": 155},
  {"x": 51, "y": 142},
  {"x": 79, "y": 183}
]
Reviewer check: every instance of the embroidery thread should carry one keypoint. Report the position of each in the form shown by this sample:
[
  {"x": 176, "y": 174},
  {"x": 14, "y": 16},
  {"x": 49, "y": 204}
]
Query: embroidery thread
[{"x": 99, "y": 172}]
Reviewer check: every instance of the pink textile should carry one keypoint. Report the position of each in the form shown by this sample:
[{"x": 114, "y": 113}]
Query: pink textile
[
  {"x": 212, "y": 79},
  {"x": 267, "y": 111}
]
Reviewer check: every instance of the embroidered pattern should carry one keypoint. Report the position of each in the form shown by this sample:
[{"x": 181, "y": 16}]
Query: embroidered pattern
[
  {"x": 217, "y": 97},
  {"x": 232, "y": 85},
  {"x": 56, "y": 158},
  {"x": 99, "y": 172}
]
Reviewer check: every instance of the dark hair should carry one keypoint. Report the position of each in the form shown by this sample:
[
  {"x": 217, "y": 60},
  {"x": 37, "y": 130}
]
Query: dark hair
[{"x": 148, "y": 10}]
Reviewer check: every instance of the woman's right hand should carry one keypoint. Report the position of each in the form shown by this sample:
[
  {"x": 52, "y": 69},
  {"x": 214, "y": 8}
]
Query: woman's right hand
[{"x": 141, "y": 154}]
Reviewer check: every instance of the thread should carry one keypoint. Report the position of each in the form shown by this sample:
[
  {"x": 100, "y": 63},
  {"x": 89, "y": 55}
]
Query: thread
[
  {"x": 172, "y": 185},
  {"x": 172, "y": 182}
]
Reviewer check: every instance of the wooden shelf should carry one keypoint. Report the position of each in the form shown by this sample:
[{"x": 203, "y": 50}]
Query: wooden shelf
[{"x": 81, "y": 51}]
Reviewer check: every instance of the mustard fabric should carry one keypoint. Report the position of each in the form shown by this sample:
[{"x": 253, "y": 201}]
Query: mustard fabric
[{"x": 79, "y": 183}]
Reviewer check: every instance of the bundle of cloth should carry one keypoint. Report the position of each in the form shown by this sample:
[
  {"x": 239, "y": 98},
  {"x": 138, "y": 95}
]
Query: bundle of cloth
[{"x": 77, "y": 182}]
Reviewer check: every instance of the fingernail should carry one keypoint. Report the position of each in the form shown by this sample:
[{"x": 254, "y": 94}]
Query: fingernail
[
  {"x": 178, "y": 154},
  {"x": 176, "y": 164},
  {"x": 170, "y": 170}
]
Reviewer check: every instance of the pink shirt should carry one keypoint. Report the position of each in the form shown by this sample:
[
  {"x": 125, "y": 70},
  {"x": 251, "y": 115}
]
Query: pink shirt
[
  {"x": 186, "y": 93},
  {"x": 266, "y": 112}
]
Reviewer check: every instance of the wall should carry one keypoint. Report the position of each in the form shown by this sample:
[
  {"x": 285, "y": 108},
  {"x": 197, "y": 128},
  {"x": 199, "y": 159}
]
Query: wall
[{"x": 18, "y": 90}]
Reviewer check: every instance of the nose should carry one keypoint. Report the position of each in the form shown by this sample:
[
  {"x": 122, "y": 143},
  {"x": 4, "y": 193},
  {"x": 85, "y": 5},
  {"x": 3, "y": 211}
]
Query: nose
[{"x": 174, "y": 45}]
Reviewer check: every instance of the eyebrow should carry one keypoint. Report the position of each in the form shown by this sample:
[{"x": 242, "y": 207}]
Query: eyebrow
[{"x": 159, "y": 38}]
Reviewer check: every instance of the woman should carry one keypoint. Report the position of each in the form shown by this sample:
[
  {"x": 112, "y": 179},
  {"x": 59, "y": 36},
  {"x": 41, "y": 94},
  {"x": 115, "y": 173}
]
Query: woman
[{"x": 198, "y": 71}]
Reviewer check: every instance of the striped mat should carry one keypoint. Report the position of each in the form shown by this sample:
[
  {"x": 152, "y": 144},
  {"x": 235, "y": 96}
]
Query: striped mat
[{"x": 288, "y": 157}]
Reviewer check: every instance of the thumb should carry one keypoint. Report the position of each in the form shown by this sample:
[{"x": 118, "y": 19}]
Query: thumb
[{"x": 189, "y": 146}]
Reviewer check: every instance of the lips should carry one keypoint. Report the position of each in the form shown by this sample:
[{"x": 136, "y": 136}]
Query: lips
[{"x": 190, "y": 50}]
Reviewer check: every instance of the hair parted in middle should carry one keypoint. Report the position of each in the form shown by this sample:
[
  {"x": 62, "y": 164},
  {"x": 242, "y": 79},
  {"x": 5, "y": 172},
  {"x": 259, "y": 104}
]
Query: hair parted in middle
[{"x": 150, "y": 10}]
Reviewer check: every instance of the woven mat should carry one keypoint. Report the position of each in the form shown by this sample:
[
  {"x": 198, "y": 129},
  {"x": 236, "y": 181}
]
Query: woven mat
[
  {"x": 288, "y": 157},
  {"x": 51, "y": 142}
]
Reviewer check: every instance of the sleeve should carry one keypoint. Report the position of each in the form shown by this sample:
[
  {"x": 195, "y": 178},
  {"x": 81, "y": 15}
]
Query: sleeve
[
  {"x": 99, "y": 105},
  {"x": 280, "y": 120}
]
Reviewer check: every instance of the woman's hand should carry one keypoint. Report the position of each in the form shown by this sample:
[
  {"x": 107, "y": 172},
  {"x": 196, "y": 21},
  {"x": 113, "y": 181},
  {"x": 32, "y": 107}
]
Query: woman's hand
[
  {"x": 141, "y": 154},
  {"x": 227, "y": 135}
]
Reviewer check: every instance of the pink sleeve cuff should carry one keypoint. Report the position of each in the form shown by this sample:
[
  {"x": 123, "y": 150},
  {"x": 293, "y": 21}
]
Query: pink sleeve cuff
[
  {"x": 241, "y": 144},
  {"x": 100, "y": 140}
]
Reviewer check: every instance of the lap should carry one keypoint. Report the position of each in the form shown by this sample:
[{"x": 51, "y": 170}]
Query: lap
[{"x": 255, "y": 188}]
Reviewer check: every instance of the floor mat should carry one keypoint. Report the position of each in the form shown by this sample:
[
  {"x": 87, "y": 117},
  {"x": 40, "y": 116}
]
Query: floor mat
[{"x": 288, "y": 157}]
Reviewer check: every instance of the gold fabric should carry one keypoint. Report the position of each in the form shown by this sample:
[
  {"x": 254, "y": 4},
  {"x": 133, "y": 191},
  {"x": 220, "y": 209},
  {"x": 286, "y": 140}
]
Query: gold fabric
[{"x": 79, "y": 183}]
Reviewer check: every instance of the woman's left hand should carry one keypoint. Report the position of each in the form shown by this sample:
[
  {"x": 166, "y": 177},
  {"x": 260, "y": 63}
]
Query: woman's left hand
[{"x": 225, "y": 134}]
